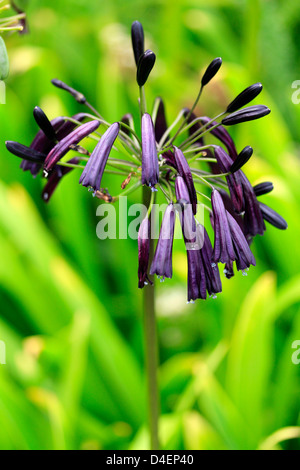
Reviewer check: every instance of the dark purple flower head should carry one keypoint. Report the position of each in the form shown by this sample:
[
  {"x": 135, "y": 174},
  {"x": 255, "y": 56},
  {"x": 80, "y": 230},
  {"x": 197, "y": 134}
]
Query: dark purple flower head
[
  {"x": 145, "y": 65},
  {"x": 244, "y": 97},
  {"x": 263, "y": 188},
  {"x": 223, "y": 247},
  {"x": 63, "y": 146},
  {"x": 242, "y": 158},
  {"x": 44, "y": 123},
  {"x": 246, "y": 114},
  {"x": 55, "y": 177},
  {"x": 211, "y": 71},
  {"x": 162, "y": 261},
  {"x": 184, "y": 171},
  {"x": 137, "y": 38},
  {"x": 93, "y": 171},
  {"x": 160, "y": 122},
  {"x": 272, "y": 217},
  {"x": 144, "y": 249},
  {"x": 150, "y": 168}
]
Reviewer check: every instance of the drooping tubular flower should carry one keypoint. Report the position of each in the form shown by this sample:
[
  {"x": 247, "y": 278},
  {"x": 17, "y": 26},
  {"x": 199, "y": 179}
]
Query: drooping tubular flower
[
  {"x": 178, "y": 161},
  {"x": 162, "y": 261}
]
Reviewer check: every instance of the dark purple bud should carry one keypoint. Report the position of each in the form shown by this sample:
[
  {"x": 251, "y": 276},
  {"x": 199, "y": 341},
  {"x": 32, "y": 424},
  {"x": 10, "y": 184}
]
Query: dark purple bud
[
  {"x": 145, "y": 65},
  {"x": 63, "y": 146},
  {"x": 137, "y": 38},
  {"x": 244, "y": 97},
  {"x": 184, "y": 171},
  {"x": 212, "y": 275},
  {"x": 253, "y": 220},
  {"x": 242, "y": 158},
  {"x": 263, "y": 188},
  {"x": 94, "y": 169},
  {"x": 24, "y": 152},
  {"x": 162, "y": 261},
  {"x": 76, "y": 94},
  {"x": 272, "y": 217},
  {"x": 223, "y": 247},
  {"x": 150, "y": 168},
  {"x": 247, "y": 114},
  {"x": 211, "y": 71},
  {"x": 233, "y": 181},
  {"x": 186, "y": 216},
  {"x": 44, "y": 123},
  {"x": 41, "y": 141},
  {"x": 221, "y": 134},
  {"x": 55, "y": 177},
  {"x": 244, "y": 256},
  {"x": 144, "y": 249},
  {"x": 160, "y": 122}
]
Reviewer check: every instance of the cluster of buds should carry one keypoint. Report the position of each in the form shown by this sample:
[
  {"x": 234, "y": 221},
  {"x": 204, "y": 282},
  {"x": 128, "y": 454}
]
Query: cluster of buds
[{"x": 175, "y": 160}]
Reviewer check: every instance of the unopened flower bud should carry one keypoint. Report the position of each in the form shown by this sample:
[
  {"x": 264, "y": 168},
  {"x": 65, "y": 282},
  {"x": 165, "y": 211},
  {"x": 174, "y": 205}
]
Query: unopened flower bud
[
  {"x": 44, "y": 123},
  {"x": 211, "y": 71},
  {"x": 137, "y": 38},
  {"x": 244, "y": 97},
  {"x": 247, "y": 114},
  {"x": 145, "y": 65},
  {"x": 241, "y": 159},
  {"x": 263, "y": 188}
]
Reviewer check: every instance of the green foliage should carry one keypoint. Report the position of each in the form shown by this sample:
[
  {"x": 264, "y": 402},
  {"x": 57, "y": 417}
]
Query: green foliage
[{"x": 70, "y": 309}]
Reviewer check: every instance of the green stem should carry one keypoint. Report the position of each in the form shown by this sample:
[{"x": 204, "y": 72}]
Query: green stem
[
  {"x": 143, "y": 104},
  {"x": 151, "y": 348},
  {"x": 188, "y": 116}
]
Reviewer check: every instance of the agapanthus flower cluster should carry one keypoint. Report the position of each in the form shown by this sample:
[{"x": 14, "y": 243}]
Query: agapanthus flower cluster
[{"x": 177, "y": 160}]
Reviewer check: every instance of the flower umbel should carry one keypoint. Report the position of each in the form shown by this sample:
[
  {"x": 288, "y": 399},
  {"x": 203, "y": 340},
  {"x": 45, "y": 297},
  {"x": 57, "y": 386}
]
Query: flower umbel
[{"x": 177, "y": 160}]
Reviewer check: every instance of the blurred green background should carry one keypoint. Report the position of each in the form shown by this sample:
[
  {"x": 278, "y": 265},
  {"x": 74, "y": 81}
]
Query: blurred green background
[{"x": 71, "y": 313}]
